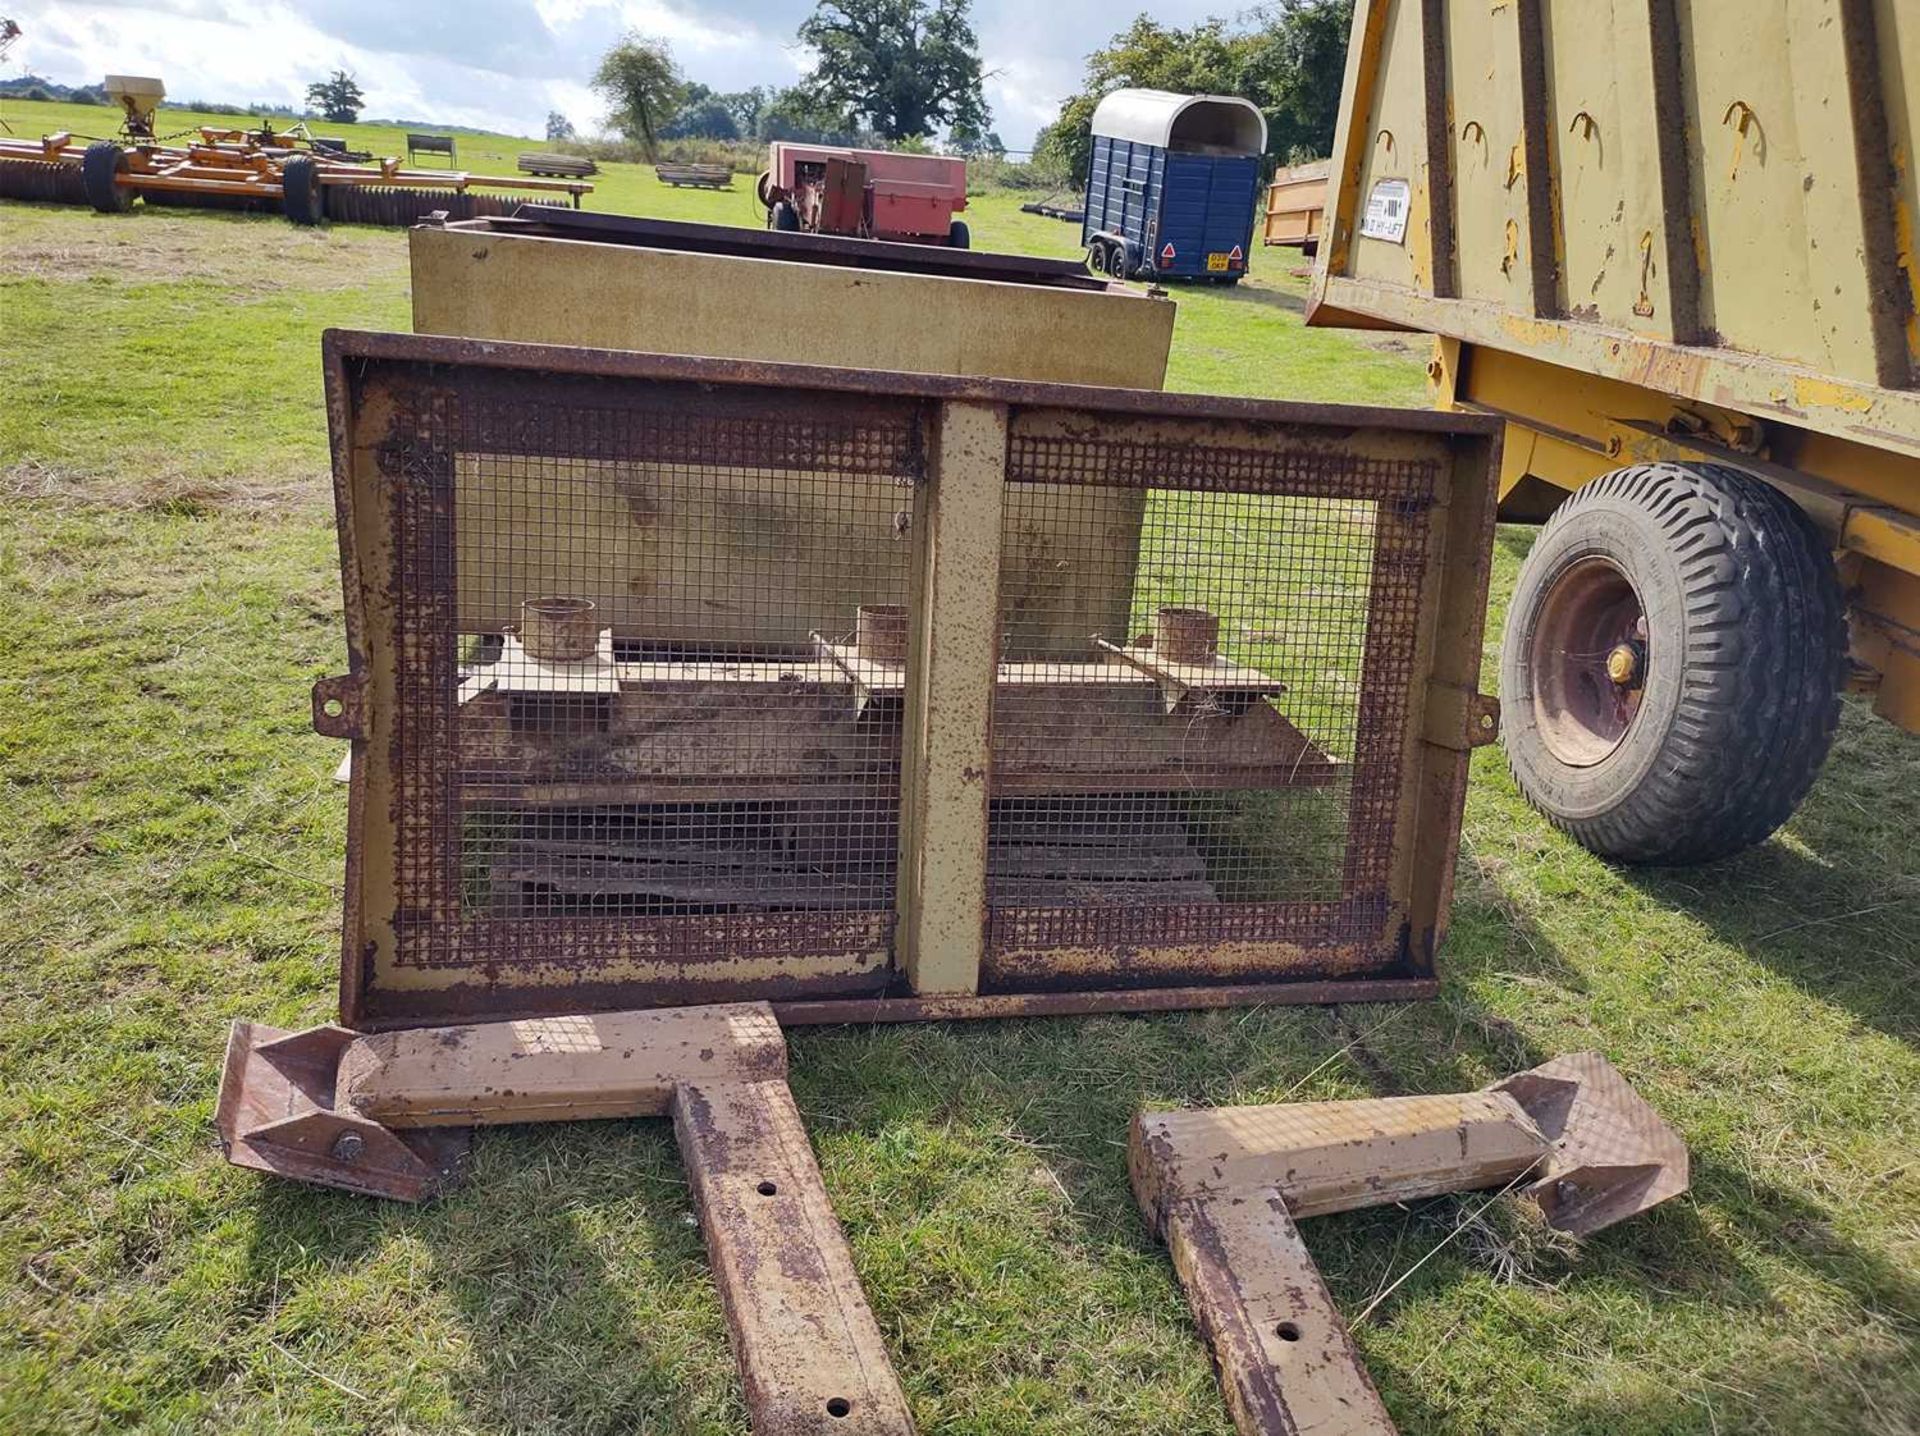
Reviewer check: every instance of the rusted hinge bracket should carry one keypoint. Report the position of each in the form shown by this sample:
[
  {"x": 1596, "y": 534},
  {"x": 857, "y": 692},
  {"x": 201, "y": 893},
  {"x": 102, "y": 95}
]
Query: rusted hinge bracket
[
  {"x": 1460, "y": 719},
  {"x": 339, "y": 706}
]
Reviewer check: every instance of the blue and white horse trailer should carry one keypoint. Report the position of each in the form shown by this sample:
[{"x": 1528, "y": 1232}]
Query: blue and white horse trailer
[{"x": 1173, "y": 185}]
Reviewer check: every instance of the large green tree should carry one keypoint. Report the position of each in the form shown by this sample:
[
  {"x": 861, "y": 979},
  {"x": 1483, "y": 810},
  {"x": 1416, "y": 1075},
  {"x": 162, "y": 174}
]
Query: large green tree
[
  {"x": 1289, "y": 63},
  {"x": 337, "y": 98},
  {"x": 642, "y": 86},
  {"x": 704, "y": 114},
  {"x": 1293, "y": 66},
  {"x": 903, "y": 67}
]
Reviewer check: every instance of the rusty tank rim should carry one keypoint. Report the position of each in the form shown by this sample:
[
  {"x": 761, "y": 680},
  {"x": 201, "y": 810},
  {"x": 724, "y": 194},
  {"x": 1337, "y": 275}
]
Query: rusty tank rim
[{"x": 1588, "y": 658}]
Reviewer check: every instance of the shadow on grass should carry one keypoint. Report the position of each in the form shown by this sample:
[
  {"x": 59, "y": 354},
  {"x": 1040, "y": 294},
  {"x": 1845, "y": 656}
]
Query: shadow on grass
[
  {"x": 1832, "y": 904},
  {"x": 1260, "y": 296},
  {"x": 525, "y": 1253}
]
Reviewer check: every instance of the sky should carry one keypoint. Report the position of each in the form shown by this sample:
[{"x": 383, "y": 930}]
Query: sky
[{"x": 503, "y": 64}]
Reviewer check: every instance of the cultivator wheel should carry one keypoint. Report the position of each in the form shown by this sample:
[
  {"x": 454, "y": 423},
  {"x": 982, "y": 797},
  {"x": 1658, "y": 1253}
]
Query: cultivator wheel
[
  {"x": 302, "y": 197},
  {"x": 100, "y": 169},
  {"x": 1672, "y": 664}
]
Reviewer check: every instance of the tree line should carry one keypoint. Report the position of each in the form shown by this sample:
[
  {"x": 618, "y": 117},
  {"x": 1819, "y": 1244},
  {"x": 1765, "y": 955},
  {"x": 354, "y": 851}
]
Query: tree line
[
  {"x": 1289, "y": 61},
  {"x": 899, "y": 71},
  {"x": 896, "y": 71}
]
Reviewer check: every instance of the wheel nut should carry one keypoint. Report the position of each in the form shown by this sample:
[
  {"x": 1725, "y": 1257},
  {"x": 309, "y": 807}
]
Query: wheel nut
[{"x": 1623, "y": 664}]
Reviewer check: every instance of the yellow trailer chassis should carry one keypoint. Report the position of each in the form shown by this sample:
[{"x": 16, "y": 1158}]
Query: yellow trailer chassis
[{"x": 1673, "y": 232}]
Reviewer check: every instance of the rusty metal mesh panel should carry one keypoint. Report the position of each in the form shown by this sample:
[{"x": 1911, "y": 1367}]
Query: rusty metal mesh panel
[
  {"x": 624, "y": 726},
  {"x": 1213, "y": 755}
]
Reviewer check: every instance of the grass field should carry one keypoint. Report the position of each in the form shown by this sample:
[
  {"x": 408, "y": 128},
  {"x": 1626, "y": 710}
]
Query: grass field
[{"x": 171, "y": 860}]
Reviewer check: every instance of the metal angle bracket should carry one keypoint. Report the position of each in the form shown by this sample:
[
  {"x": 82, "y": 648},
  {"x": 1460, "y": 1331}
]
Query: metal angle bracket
[
  {"x": 870, "y": 678},
  {"x": 1209, "y": 680},
  {"x": 1225, "y": 1188},
  {"x": 277, "y": 1114},
  {"x": 388, "y": 1114}
]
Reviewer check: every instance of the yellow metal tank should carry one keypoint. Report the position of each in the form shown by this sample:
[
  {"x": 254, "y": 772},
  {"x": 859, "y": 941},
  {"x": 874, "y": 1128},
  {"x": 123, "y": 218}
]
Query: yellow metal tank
[{"x": 1671, "y": 244}]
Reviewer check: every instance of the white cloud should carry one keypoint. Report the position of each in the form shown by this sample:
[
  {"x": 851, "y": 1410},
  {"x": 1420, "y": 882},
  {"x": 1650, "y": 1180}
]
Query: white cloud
[{"x": 502, "y": 64}]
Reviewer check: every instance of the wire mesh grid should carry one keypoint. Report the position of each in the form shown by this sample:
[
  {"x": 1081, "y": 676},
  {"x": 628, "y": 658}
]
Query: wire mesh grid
[
  {"x": 1215, "y": 755},
  {"x": 626, "y": 647}
]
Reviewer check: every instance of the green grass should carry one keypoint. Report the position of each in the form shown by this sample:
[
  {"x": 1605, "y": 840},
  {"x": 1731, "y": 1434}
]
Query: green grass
[{"x": 171, "y": 860}]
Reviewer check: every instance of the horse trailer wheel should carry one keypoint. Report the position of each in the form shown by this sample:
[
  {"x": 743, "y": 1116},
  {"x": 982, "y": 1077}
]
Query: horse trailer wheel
[{"x": 1671, "y": 670}]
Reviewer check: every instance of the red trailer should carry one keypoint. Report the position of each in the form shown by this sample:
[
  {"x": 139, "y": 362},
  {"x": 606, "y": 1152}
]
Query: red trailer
[{"x": 875, "y": 194}]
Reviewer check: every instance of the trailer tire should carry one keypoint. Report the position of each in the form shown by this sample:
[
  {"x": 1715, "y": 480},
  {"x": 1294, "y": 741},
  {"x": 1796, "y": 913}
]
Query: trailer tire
[
  {"x": 301, "y": 195},
  {"x": 784, "y": 217},
  {"x": 1671, "y": 668},
  {"x": 1117, "y": 260},
  {"x": 959, "y": 236},
  {"x": 100, "y": 168}
]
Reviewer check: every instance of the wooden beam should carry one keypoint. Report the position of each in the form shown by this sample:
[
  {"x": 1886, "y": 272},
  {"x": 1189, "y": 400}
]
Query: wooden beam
[
  {"x": 1335, "y": 1156},
  {"x": 336, "y": 1108},
  {"x": 1286, "y": 1362}
]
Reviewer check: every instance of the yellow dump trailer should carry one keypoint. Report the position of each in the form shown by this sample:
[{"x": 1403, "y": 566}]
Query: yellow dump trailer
[{"x": 1671, "y": 244}]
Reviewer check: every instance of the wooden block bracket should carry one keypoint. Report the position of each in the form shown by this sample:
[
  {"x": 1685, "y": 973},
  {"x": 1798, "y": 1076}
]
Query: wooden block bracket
[
  {"x": 1225, "y": 1187},
  {"x": 387, "y": 1114}
]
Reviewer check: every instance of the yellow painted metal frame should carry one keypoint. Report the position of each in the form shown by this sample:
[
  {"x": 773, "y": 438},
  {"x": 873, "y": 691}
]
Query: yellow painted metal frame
[
  {"x": 1637, "y": 133},
  {"x": 929, "y": 956}
]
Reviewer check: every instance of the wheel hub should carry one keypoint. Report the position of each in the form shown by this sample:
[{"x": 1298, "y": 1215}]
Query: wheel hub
[
  {"x": 1589, "y": 661},
  {"x": 1624, "y": 664}
]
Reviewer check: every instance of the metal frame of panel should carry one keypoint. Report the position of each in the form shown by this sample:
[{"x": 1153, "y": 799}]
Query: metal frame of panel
[{"x": 402, "y": 408}]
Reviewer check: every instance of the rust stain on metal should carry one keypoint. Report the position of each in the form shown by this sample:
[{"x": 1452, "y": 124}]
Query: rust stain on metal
[
  {"x": 725, "y": 780},
  {"x": 387, "y": 1114},
  {"x": 1223, "y": 1188}
]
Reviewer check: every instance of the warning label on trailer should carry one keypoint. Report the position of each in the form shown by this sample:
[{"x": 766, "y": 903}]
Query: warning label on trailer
[
  {"x": 1386, "y": 216},
  {"x": 1166, "y": 255},
  {"x": 1234, "y": 256}
]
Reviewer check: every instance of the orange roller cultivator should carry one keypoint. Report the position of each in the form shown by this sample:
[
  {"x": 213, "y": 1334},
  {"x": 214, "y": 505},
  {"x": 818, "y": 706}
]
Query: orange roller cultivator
[{"x": 307, "y": 177}]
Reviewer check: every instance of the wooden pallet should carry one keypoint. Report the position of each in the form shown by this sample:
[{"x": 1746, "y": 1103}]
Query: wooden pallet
[
  {"x": 697, "y": 176},
  {"x": 544, "y": 162},
  {"x": 781, "y": 861}
]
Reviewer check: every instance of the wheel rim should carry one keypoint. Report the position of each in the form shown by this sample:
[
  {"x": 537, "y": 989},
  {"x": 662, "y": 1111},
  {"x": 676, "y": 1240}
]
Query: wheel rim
[{"x": 1589, "y": 662}]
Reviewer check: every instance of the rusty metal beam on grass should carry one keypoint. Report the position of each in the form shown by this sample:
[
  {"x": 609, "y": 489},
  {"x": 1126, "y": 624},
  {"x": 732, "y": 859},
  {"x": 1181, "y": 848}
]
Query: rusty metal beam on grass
[
  {"x": 387, "y": 1115},
  {"x": 1223, "y": 1188},
  {"x": 810, "y": 1353}
]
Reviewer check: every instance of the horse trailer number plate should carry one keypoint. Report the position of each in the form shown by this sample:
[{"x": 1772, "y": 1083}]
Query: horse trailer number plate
[
  {"x": 1386, "y": 216},
  {"x": 1216, "y": 263}
]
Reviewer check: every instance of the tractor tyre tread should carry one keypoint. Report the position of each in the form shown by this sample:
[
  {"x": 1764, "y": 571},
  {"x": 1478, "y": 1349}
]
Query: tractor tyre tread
[
  {"x": 1765, "y": 646},
  {"x": 100, "y": 166},
  {"x": 302, "y": 197}
]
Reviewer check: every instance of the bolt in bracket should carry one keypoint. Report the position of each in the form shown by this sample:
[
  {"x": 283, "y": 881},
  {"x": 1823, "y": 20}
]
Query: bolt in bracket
[{"x": 1460, "y": 719}]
